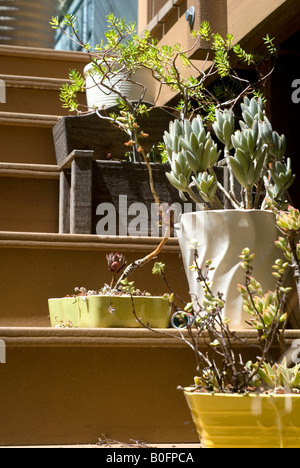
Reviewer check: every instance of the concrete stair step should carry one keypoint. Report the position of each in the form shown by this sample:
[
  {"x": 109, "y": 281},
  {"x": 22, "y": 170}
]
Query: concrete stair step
[
  {"x": 29, "y": 171},
  {"x": 33, "y": 61},
  {"x": 29, "y": 200},
  {"x": 32, "y": 94},
  {"x": 29, "y": 197},
  {"x": 76, "y": 386},
  {"x": 79, "y": 387},
  {"x": 33, "y": 77},
  {"x": 35, "y": 132},
  {"x": 39, "y": 266},
  {"x": 25, "y": 119}
]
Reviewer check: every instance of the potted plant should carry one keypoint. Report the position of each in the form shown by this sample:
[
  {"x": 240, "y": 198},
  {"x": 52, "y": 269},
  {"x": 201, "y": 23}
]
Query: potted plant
[
  {"x": 289, "y": 224},
  {"x": 112, "y": 305},
  {"x": 231, "y": 191},
  {"x": 132, "y": 155},
  {"x": 237, "y": 402},
  {"x": 237, "y": 214},
  {"x": 112, "y": 74},
  {"x": 116, "y": 75},
  {"x": 126, "y": 59},
  {"x": 253, "y": 155}
]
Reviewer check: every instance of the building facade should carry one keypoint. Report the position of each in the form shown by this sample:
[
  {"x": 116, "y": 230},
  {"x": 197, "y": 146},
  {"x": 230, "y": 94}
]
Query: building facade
[
  {"x": 249, "y": 21},
  {"x": 91, "y": 19}
]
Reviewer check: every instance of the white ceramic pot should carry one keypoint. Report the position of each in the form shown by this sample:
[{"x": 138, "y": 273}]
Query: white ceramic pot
[
  {"x": 223, "y": 235},
  {"x": 99, "y": 97},
  {"x": 26, "y": 22}
]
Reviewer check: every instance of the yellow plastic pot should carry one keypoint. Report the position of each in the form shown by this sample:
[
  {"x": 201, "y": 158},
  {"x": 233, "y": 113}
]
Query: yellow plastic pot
[
  {"x": 110, "y": 312},
  {"x": 246, "y": 421}
]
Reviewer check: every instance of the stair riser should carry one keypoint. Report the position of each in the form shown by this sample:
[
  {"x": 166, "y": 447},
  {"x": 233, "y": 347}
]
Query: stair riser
[
  {"x": 40, "y": 62},
  {"x": 34, "y": 101},
  {"x": 29, "y": 205},
  {"x": 34, "y": 271},
  {"x": 78, "y": 395},
  {"x": 37, "y": 144}
]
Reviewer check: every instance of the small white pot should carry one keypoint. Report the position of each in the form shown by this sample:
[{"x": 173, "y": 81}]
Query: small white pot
[
  {"x": 222, "y": 236},
  {"x": 99, "y": 97}
]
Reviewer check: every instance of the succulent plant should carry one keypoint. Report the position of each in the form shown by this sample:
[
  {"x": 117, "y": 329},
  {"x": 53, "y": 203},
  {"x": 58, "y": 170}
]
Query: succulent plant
[
  {"x": 289, "y": 224},
  {"x": 290, "y": 220},
  {"x": 276, "y": 376},
  {"x": 265, "y": 309},
  {"x": 181, "y": 172},
  {"x": 282, "y": 177},
  {"x": 116, "y": 262},
  {"x": 207, "y": 185},
  {"x": 252, "y": 109},
  {"x": 224, "y": 127},
  {"x": 191, "y": 150},
  {"x": 254, "y": 156},
  {"x": 276, "y": 143}
]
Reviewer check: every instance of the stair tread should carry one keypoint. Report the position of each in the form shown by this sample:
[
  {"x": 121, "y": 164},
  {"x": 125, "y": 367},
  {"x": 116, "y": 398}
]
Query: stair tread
[
  {"x": 83, "y": 242},
  {"x": 41, "y": 62},
  {"x": 89, "y": 337},
  {"x": 114, "y": 337},
  {"x": 32, "y": 167},
  {"x": 31, "y": 171},
  {"x": 27, "y": 119},
  {"x": 43, "y": 53},
  {"x": 33, "y": 82}
]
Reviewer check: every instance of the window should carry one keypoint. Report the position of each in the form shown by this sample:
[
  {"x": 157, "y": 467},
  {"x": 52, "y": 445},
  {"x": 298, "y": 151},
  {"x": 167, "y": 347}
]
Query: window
[{"x": 153, "y": 8}]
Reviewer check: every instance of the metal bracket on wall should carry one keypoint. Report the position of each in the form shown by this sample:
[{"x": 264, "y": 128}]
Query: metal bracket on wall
[{"x": 190, "y": 16}]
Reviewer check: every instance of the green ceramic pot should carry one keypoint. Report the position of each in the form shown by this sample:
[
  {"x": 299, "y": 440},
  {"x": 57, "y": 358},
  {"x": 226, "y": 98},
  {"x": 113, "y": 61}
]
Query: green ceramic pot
[{"x": 110, "y": 312}]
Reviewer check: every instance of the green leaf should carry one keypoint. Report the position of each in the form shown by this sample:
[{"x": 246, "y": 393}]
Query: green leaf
[{"x": 238, "y": 171}]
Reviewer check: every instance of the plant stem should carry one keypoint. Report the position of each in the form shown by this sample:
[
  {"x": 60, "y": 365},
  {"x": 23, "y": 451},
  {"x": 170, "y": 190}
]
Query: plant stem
[
  {"x": 295, "y": 262},
  {"x": 195, "y": 199},
  {"x": 231, "y": 176},
  {"x": 249, "y": 200},
  {"x": 140, "y": 263},
  {"x": 229, "y": 196}
]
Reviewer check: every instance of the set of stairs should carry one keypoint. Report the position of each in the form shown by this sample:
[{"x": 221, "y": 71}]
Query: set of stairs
[
  {"x": 29, "y": 177},
  {"x": 59, "y": 386}
]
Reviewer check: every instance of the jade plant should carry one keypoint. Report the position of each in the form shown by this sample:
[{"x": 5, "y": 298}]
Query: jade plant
[{"x": 254, "y": 156}]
